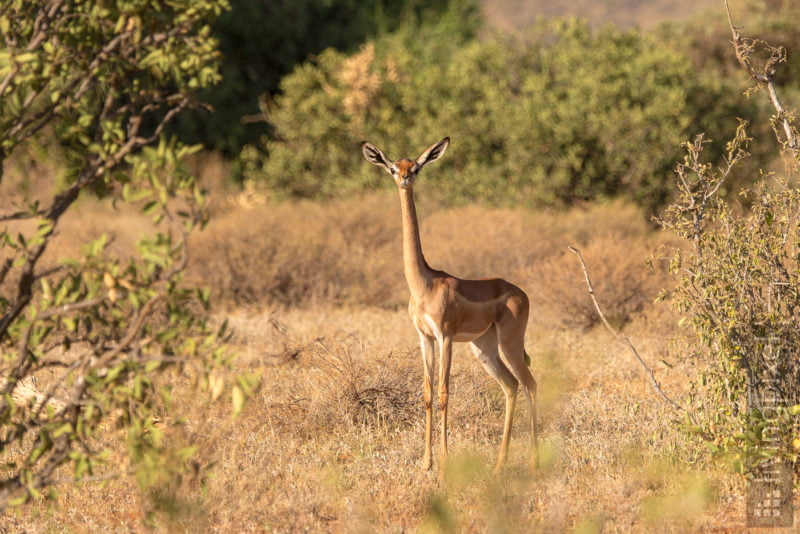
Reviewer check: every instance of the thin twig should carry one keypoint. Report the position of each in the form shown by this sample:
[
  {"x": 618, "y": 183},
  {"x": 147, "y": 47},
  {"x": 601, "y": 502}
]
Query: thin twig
[
  {"x": 743, "y": 48},
  {"x": 622, "y": 339},
  {"x": 17, "y": 215}
]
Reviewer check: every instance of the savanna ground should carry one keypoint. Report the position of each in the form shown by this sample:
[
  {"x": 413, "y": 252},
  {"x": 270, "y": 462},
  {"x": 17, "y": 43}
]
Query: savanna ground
[
  {"x": 515, "y": 14},
  {"x": 332, "y": 441}
]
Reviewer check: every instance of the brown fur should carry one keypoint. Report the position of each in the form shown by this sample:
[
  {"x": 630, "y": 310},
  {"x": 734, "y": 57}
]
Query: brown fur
[{"x": 490, "y": 313}]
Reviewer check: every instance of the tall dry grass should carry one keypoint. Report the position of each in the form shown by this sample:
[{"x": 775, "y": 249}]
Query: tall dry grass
[
  {"x": 349, "y": 253},
  {"x": 301, "y": 255},
  {"x": 332, "y": 441}
]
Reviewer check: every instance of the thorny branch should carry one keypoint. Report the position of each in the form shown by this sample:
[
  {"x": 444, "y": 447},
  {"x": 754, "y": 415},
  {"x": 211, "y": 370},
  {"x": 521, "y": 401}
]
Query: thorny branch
[{"x": 744, "y": 48}]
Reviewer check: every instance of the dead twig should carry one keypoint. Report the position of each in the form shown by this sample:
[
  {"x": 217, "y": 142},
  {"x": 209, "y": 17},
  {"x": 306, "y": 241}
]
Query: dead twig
[
  {"x": 744, "y": 48},
  {"x": 624, "y": 340}
]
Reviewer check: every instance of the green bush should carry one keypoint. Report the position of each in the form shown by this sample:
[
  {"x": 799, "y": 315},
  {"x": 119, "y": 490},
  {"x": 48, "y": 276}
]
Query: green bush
[
  {"x": 738, "y": 290},
  {"x": 738, "y": 282},
  {"x": 104, "y": 333},
  {"x": 263, "y": 41},
  {"x": 561, "y": 116}
]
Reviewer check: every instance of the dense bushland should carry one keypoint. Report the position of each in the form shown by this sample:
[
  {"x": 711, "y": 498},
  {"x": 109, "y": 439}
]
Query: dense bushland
[
  {"x": 563, "y": 115},
  {"x": 261, "y": 42},
  {"x": 555, "y": 115}
]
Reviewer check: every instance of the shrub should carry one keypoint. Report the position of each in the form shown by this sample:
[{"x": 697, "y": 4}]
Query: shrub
[
  {"x": 563, "y": 116},
  {"x": 264, "y": 41},
  {"x": 349, "y": 252},
  {"x": 102, "y": 330},
  {"x": 353, "y": 386},
  {"x": 738, "y": 287},
  {"x": 738, "y": 291},
  {"x": 624, "y": 284},
  {"x": 301, "y": 255}
]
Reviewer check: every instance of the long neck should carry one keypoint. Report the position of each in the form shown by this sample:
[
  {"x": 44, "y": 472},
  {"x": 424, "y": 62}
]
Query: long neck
[{"x": 416, "y": 269}]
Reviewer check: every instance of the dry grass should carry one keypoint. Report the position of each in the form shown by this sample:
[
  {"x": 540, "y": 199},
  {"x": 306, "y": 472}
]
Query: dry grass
[
  {"x": 518, "y": 14},
  {"x": 302, "y": 254},
  {"x": 332, "y": 441},
  {"x": 347, "y": 253},
  {"x": 338, "y": 450}
]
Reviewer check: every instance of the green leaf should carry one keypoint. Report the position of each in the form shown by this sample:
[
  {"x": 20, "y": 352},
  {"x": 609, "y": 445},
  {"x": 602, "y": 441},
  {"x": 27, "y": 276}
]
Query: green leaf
[
  {"x": 113, "y": 373},
  {"x": 18, "y": 501},
  {"x": 186, "y": 453},
  {"x": 69, "y": 262},
  {"x": 82, "y": 466},
  {"x": 45, "y": 227},
  {"x": 148, "y": 208},
  {"x": 47, "y": 291},
  {"x": 26, "y": 57},
  {"x": 66, "y": 428}
]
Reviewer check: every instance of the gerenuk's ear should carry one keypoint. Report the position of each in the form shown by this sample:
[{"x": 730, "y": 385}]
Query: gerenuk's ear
[
  {"x": 375, "y": 155},
  {"x": 433, "y": 152}
]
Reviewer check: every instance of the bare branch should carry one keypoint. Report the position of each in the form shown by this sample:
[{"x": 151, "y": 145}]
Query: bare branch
[
  {"x": 67, "y": 308},
  {"x": 622, "y": 339},
  {"x": 19, "y": 215},
  {"x": 743, "y": 49}
]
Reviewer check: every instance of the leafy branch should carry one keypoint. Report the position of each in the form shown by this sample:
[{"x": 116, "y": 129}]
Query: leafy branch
[{"x": 99, "y": 331}]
